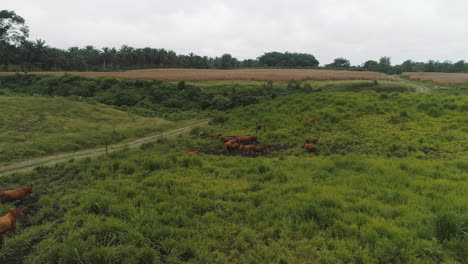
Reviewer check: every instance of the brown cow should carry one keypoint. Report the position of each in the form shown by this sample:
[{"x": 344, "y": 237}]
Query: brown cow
[
  {"x": 215, "y": 136},
  {"x": 229, "y": 138},
  {"x": 247, "y": 148},
  {"x": 230, "y": 146},
  {"x": 201, "y": 133},
  {"x": 311, "y": 120},
  {"x": 310, "y": 148},
  {"x": 8, "y": 221},
  {"x": 312, "y": 140},
  {"x": 259, "y": 149},
  {"x": 253, "y": 148},
  {"x": 193, "y": 153},
  {"x": 13, "y": 195}
]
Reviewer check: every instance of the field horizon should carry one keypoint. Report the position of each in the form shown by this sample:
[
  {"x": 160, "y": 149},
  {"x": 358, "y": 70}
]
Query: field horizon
[{"x": 183, "y": 74}]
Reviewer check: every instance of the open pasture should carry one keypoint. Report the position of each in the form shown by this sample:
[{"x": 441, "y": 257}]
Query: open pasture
[
  {"x": 38, "y": 126},
  {"x": 156, "y": 205},
  {"x": 387, "y": 185},
  {"x": 441, "y": 78},
  {"x": 241, "y": 74},
  {"x": 425, "y": 126}
]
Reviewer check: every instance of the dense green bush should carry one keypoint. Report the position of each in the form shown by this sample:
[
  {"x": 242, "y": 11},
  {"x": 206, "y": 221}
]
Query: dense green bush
[{"x": 149, "y": 98}]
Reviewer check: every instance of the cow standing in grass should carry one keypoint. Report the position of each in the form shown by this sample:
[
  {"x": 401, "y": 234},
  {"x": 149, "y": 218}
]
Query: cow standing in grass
[
  {"x": 253, "y": 148},
  {"x": 248, "y": 148},
  {"x": 229, "y": 138},
  {"x": 230, "y": 146},
  {"x": 193, "y": 153},
  {"x": 312, "y": 140},
  {"x": 311, "y": 120},
  {"x": 13, "y": 195},
  {"x": 311, "y": 148},
  {"x": 258, "y": 149},
  {"x": 215, "y": 136},
  {"x": 8, "y": 222}
]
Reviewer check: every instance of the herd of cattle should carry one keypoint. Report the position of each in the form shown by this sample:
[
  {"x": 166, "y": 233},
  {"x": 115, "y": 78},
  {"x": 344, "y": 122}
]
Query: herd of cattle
[
  {"x": 231, "y": 143},
  {"x": 245, "y": 143},
  {"x": 8, "y": 221}
]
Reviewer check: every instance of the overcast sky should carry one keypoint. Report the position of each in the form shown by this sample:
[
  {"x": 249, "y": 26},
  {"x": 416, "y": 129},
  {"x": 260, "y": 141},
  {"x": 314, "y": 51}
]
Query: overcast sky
[{"x": 355, "y": 29}]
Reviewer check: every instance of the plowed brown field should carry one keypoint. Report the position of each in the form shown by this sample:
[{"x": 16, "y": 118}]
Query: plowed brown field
[
  {"x": 439, "y": 77},
  {"x": 243, "y": 74}
]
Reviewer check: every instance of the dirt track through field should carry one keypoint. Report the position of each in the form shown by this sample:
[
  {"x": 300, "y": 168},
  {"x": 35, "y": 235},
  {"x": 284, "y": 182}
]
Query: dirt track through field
[{"x": 50, "y": 160}]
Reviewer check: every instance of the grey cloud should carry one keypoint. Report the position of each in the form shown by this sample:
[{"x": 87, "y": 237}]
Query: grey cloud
[{"x": 356, "y": 29}]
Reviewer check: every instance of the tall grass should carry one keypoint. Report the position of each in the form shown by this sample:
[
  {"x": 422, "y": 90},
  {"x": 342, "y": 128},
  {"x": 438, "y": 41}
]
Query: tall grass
[{"x": 156, "y": 205}]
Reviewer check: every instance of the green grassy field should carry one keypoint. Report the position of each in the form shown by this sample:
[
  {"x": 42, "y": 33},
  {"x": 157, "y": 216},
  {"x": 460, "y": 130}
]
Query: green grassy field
[
  {"x": 159, "y": 206},
  {"x": 38, "y": 126},
  {"x": 425, "y": 126},
  {"x": 388, "y": 185}
]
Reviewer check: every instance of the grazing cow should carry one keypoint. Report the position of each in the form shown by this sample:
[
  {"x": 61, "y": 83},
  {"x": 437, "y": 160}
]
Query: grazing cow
[
  {"x": 13, "y": 195},
  {"x": 253, "y": 148},
  {"x": 8, "y": 221},
  {"x": 312, "y": 140},
  {"x": 229, "y": 138},
  {"x": 193, "y": 153},
  {"x": 215, "y": 136},
  {"x": 201, "y": 133},
  {"x": 259, "y": 149},
  {"x": 310, "y": 148},
  {"x": 311, "y": 120},
  {"x": 230, "y": 146},
  {"x": 247, "y": 148}
]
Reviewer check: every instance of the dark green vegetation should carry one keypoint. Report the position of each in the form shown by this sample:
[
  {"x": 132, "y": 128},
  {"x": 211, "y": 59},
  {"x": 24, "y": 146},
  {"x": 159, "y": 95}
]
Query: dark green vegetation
[
  {"x": 17, "y": 53},
  {"x": 150, "y": 98},
  {"x": 388, "y": 184},
  {"x": 36, "y": 126}
]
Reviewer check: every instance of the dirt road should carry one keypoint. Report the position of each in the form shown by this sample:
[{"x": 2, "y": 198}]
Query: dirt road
[{"x": 50, "y": 160}]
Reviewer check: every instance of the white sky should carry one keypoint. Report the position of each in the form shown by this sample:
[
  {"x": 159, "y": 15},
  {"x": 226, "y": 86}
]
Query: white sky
[{"x": 358, "y": 30}]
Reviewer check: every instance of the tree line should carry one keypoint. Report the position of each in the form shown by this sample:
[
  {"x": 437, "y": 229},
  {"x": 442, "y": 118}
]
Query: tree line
[{"x": 18, "y": 53}]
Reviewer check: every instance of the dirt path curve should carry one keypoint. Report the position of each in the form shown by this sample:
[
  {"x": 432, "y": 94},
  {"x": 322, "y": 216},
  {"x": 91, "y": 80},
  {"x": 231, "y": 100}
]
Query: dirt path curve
[
  {"x": 50, "y": 160},
  {"x": 419, "y": 86}
]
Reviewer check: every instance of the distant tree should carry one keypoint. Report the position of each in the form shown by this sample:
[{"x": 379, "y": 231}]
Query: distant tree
[
  {"x": 385, "y": 65},
  {"x": 459, "y": 66},
  {"x": 288, "y": 60},
  {"x": 227, "y": 62},
  {"x": 370, "y": 65},
  {"x": 13, "y": 29},
  {"x": 429, "y": 66},
  {"x": 408, "y": 66},
  {"x": 339, "y": 63},
  {"x": 249, "y": 63}
]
